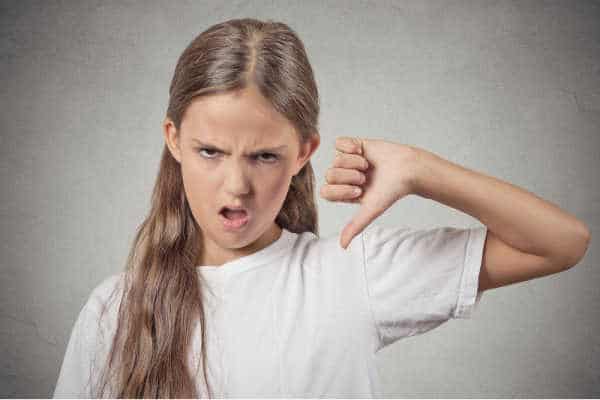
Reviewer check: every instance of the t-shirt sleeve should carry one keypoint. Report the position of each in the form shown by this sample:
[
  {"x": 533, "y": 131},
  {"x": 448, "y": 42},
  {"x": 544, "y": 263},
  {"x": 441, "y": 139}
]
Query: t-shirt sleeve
[
  {"x": 419, "y": 278},
  {"x": 74, "y": 380}
]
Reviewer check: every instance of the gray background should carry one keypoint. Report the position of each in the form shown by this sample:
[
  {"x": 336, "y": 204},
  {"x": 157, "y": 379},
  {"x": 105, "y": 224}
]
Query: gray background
[{"x": 511, "y": 89}]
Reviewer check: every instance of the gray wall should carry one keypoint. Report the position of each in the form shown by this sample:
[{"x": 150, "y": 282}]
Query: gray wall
[{"x": 511, "y": 89}]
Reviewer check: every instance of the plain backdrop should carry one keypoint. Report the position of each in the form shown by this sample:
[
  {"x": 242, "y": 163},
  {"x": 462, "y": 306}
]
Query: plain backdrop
[{"x": 507, "y": 88}]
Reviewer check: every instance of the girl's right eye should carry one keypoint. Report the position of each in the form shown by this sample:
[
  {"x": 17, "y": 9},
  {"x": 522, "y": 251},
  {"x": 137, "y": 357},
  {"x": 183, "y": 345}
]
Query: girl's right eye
[{"x": 207, "y": 150}]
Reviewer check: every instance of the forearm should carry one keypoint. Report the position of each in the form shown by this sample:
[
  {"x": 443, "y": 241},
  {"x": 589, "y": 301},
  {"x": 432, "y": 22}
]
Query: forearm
[{"x": 518, "y": 217}]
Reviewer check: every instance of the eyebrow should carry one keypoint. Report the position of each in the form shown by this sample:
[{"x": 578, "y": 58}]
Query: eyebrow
[{"x": 267, "y": 149}]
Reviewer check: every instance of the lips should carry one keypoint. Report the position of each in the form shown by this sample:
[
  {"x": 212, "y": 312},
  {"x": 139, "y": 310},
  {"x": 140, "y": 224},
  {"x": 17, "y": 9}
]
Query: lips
[{"x": 234, "y": 218}]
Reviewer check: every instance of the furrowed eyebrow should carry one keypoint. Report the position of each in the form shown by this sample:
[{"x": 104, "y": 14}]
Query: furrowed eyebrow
[{"x": 212, "y": 147}]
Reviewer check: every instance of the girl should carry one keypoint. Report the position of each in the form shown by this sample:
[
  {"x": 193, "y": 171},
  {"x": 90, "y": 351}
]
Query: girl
[{"x": 229, "y": 290}]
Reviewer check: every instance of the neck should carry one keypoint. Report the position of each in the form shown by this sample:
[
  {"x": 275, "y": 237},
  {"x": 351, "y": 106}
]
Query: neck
[{"x": 213, "y": 254}]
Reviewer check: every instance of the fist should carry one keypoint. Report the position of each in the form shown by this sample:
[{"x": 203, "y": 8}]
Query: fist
[{"x": 373, "y": 173}]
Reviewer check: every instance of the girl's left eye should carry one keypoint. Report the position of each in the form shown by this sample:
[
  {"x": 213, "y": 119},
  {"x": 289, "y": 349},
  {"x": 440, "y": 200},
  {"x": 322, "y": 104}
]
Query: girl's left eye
[{"x": 272, "y": 157}]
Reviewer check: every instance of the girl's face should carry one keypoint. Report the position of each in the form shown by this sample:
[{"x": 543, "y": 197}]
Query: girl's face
[{"x": 236, "y": 150}]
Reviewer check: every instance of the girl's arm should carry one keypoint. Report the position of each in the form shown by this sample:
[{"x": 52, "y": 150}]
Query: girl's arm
[{"x": 527, "y": 238}]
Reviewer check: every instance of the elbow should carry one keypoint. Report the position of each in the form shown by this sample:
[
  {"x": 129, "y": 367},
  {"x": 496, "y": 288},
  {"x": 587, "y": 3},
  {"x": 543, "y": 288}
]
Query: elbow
[{"x": 580, "y": 246}]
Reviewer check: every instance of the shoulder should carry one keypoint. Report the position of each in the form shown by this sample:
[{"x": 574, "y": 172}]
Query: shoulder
[
  {"x": 370, "y": 238},
  {"x": 326, "y": 249},
  {"x": 378, "y": 239},
  {"x": 330, "y": 243},
  {"x": 375, "y": 233},
  {"x": 105, "y": 296}
]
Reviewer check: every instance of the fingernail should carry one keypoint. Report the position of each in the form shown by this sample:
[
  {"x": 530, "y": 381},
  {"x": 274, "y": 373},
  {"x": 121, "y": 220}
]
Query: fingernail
[{"x": 357, "y": 190}]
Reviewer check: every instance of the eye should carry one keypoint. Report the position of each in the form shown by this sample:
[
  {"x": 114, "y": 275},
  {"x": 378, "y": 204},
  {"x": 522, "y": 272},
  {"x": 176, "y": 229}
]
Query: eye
[
  {"x": 270, "y": 157},
  {"x": 207, "y": 150},
  {"x": 266, "y": 157}
]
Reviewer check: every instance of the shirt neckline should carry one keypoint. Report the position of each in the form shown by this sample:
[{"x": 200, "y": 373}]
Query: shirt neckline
[{"x": 244, "y": 263}]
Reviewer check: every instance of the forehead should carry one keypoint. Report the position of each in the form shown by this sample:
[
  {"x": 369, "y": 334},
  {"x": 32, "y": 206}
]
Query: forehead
[{"x": 244, "y": 113}]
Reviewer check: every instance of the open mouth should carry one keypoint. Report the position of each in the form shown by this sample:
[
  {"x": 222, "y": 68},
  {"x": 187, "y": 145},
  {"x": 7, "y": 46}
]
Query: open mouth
[
  {"x": 233, "y": 214},
  {"x": 234, "y": 218}
]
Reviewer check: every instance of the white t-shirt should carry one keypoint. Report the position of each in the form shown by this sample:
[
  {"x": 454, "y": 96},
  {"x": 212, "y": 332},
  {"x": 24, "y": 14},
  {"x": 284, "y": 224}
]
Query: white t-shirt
[{"x": 304, "y": 317}]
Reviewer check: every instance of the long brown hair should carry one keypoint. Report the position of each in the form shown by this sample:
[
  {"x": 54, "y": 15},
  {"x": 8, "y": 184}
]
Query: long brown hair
[{"x": 161, "y": 301}]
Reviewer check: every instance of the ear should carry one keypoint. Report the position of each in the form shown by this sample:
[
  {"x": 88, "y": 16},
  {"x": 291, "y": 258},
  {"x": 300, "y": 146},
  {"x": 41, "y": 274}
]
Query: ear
[
  {"x": 306, "y": 151},
  {"x": 172, "y": 138}
]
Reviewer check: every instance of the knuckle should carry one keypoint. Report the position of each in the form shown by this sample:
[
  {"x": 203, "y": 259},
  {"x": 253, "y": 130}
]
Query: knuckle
[
  {"x": 361, "y": 162},
  {"x": 358, "y": 161},
  {"x": 361, "y": 177},
  {"x": 354, "y": 191},
  {"x": 330, "y": 175},
  {"x": 338, "y": 160}
]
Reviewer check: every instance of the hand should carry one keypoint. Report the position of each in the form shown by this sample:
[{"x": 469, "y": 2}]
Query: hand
[{"x": 384, "y": 171}]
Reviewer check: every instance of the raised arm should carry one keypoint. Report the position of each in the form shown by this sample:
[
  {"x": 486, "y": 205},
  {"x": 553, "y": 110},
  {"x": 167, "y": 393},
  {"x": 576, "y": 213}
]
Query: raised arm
[{"x": 527, "y": 238}]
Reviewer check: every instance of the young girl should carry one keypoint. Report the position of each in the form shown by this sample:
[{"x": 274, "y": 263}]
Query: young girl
[{"x": 229, "y": 291}]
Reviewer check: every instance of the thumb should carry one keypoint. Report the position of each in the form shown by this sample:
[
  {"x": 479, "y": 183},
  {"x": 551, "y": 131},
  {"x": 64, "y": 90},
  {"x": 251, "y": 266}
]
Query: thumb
[{"x": 359, "y": 222}]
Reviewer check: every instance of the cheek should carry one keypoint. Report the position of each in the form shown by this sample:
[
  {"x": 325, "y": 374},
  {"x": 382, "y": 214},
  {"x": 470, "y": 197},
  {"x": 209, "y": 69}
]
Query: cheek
[
  {"x": 274, "y": 188},
  {"x": 195, "y": 183}
]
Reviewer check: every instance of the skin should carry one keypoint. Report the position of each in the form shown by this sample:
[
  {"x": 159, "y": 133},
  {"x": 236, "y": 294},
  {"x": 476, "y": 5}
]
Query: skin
[
  {"x": 528, "y": 237},
  {"x": 239, "y": 125}
]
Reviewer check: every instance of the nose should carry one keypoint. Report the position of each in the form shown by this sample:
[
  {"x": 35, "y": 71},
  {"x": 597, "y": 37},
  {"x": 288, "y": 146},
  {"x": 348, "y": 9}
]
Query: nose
[{"x": 236, "y": 180}]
